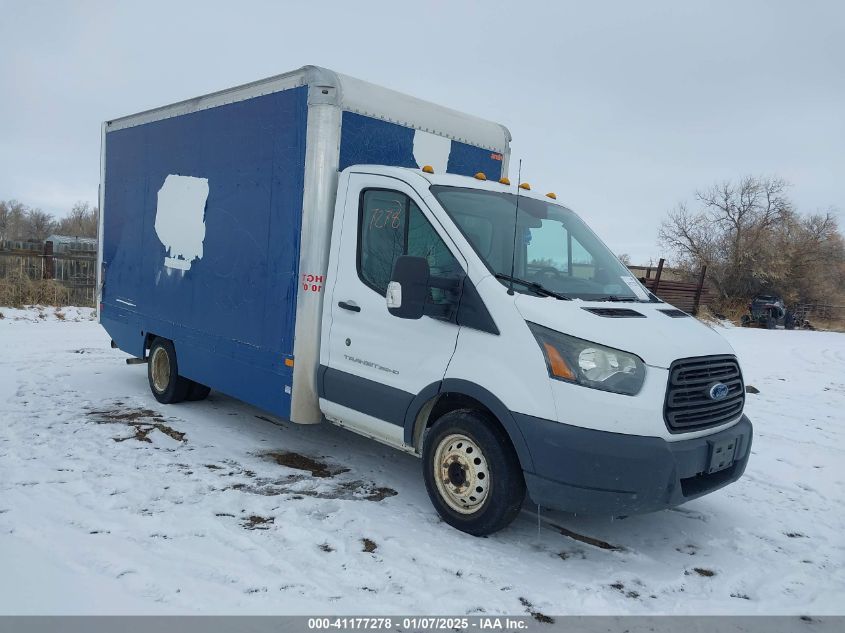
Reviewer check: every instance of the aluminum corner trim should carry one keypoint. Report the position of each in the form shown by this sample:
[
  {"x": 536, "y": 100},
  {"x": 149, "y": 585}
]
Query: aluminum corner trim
[{"x": 322, "y": 156}]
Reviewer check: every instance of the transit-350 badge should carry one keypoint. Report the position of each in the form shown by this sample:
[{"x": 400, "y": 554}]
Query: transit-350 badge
[{"x": 718, "y": 391}]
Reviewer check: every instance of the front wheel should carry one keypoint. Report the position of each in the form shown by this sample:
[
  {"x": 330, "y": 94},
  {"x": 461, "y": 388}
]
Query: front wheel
[{"x": 472, "y": 473}]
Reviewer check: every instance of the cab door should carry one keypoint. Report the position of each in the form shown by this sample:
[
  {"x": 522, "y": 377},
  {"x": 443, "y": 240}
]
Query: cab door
[{"x": 377, "y": 363}]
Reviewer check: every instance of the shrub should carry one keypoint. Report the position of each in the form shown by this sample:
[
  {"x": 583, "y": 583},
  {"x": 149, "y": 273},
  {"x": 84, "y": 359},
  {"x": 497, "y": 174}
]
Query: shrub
[{"x": 17, "y": 290}]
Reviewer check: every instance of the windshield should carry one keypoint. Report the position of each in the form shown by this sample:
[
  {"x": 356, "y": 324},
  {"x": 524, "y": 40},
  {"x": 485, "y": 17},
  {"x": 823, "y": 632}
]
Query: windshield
[{"x": 554, "y": 248}]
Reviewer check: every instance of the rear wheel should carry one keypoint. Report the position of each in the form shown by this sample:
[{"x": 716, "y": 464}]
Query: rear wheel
[
  {"x": 472, "y": 474},
  {"x": 167, "y": 385}
]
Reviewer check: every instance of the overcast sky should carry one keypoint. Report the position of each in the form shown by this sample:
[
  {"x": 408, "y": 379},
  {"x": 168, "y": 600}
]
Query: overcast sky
[{"x": 623, "y": 109}]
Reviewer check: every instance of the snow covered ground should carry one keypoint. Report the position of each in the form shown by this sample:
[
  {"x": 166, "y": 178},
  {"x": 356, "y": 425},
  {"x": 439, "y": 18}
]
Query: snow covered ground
[{"x": 112, "y": 503}]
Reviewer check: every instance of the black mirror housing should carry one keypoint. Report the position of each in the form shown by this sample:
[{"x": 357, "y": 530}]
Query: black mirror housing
[{"x": 412, "y": 274}]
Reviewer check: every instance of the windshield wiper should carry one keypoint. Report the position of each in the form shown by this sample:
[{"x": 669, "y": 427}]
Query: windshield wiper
[
  {"x": 620, "y": 299},
  {"x": 533, "y": 285}
]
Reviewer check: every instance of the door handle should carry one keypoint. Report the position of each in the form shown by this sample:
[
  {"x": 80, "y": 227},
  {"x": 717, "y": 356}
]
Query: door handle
[{"x": 349, "y": 305}]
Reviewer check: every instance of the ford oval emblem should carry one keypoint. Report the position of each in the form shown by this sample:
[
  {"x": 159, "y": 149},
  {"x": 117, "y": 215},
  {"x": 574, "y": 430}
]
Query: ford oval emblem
[{"x": 718, "y": 391}]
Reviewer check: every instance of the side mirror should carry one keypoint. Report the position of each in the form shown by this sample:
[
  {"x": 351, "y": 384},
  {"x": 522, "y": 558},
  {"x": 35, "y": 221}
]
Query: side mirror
[{"x": 408, "y": 287}]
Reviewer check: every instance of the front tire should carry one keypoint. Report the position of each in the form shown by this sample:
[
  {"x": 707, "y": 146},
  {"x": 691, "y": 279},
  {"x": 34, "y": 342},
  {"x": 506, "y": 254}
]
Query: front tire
[
  {"x": 472, "y": 473},
  {"x": 167, "y": 385}
]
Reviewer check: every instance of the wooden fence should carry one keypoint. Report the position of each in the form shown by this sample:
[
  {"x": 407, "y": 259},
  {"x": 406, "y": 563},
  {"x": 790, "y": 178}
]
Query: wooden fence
[
  {"x": 688, "y": 296},
  {"x": 73, "y": 265},
  {"x": 818, "y": 311}
]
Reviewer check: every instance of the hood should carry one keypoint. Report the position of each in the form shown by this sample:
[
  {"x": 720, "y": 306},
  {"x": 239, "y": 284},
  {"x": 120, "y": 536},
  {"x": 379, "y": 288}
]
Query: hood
[{"x": 655, "y": 337}]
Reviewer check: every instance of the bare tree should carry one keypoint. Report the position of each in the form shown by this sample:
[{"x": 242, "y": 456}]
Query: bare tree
[
  {"x": 80, "y": 222},
  {"x": 12, "y": 219},
  {"x": 38, "y": 225},
  {"x": 751, "y": 239}
]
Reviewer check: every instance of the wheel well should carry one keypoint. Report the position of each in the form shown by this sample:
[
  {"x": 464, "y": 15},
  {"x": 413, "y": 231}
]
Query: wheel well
[
  {"x": 149, "y": 337},
  {"x": 148, "y": 341},
  {"x": 442, "y": 404}
]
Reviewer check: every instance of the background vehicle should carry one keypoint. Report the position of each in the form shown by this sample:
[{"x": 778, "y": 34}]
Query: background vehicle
[
  {"x": 328, "y": 249},
  {"x": 768, "y": 311}
]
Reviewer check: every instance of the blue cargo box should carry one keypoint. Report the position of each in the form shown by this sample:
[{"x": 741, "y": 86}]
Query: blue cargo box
[{"x": 217, "y": 213}]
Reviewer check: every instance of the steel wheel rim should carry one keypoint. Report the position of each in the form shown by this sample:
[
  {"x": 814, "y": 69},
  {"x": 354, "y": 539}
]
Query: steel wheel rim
[
  {"x": 160, "y": 369},
  {"x": 461, "y": 473}
]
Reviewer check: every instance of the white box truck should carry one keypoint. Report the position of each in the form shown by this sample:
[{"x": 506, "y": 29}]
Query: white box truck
[{"x": 330, "y": 250}]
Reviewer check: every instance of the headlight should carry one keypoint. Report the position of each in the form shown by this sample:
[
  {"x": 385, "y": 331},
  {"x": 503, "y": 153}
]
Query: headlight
[{"x": 582, "y": 362}]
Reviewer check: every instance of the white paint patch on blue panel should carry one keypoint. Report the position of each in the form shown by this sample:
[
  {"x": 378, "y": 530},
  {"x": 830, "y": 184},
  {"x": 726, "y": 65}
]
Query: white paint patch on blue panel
[
  {"x": 431, "y": 149},
  {"x": 180, "y": 219}
]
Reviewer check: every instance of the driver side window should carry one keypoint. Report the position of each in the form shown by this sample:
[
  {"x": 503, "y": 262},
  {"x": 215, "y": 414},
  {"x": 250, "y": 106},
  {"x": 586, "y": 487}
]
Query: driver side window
[{"x": 390, "y": 224}]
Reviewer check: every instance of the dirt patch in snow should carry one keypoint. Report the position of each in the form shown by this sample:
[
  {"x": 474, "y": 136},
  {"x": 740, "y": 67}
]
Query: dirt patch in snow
[
  {"x": 256, "y": 522},
  {"x": 365, "y": 491},
  {"x": 530, "y": 610},
  {"x": 589, "y": 540},
  {"x": 302, "y": 462},
  {"x": 142, "y": 421},
  {"x": 347, "y": 490},
  {"x": 369, "y": 545}
]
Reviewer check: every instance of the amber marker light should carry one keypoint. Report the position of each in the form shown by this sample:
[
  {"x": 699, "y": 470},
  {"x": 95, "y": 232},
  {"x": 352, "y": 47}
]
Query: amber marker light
[
  {"x": 289, "y": 362},
  {"x": 481, "y": 176},
  {"x": 525, "y": 186},
  {"x": 551, "y": 195},
  {"x": 504, "y": 181},
  {"x": 428, "y": 169},
  {"x": 558, "y": 366}
]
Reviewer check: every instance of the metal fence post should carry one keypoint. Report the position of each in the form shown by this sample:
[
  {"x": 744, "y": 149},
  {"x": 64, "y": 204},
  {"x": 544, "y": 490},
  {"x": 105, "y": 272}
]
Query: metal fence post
[
  {"x": 698, "y": 290},
  {"x": 657, "y": 275},
  {"x": 48, "y": 260}
]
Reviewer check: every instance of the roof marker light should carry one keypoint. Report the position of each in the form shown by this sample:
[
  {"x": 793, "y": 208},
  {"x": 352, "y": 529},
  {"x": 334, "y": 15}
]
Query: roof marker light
[
  {"x": 428, "y": 169},
  {"x": 504, "y": 181},
  {"x": 525, "y": 186},
  {"x": 480, "y": 176},
  {"x": 551, "y": 195}
]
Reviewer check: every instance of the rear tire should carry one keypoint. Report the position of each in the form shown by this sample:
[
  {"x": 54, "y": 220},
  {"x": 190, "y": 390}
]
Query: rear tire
[
  {"x": 197, "y": 391},
  {"x": 472, "y": 473},
  {"x": 167, "y": 385}
]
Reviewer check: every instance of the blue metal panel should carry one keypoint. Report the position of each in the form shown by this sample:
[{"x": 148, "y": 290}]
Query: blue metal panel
[
  {"x": 368, "y": 141},
  {"x": 468, "y": 160},
  {"x": 231, "y": 315}
]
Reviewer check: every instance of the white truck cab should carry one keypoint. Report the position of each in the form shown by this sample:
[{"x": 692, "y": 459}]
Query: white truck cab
[{"x": 486, "y": 328}]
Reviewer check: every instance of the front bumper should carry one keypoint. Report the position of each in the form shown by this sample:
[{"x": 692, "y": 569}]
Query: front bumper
[{"x": 597, "y": 472}]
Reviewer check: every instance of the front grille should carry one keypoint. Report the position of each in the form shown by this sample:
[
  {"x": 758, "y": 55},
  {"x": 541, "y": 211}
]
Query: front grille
[{"x": 689, "y": 406}]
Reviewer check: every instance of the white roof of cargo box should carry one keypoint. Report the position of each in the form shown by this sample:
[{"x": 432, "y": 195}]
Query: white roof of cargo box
[{"x": 352, "y": 95}]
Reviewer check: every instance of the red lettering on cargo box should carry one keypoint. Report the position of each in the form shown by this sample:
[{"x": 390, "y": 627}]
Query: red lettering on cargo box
[{"x": 312, "y": 283}]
